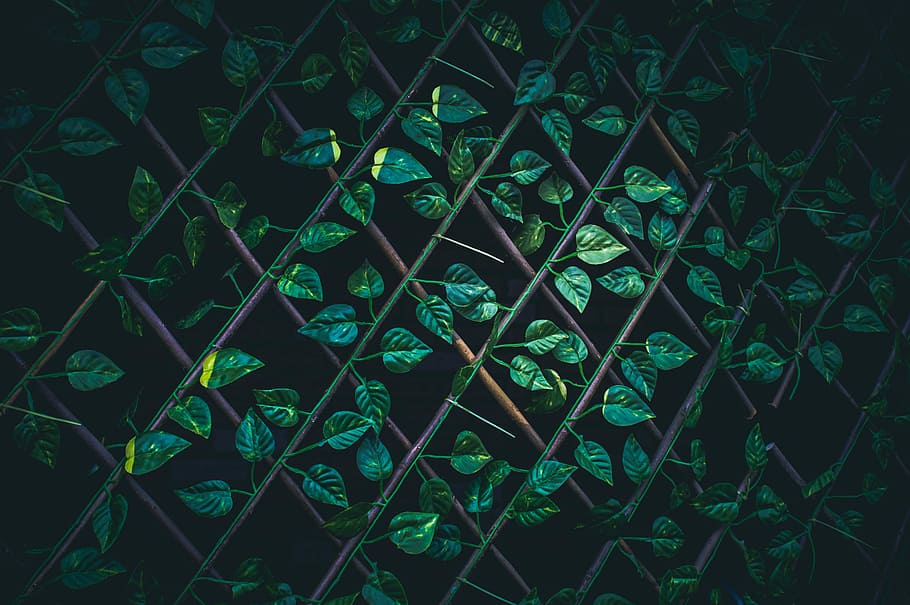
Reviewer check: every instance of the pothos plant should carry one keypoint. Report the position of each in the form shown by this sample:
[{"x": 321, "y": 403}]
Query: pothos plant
[{"x": 442, "y": 156}]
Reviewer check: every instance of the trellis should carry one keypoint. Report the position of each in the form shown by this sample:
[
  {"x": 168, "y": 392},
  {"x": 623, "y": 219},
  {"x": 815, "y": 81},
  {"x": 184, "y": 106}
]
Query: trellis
[{"x": 470, "y": 391}]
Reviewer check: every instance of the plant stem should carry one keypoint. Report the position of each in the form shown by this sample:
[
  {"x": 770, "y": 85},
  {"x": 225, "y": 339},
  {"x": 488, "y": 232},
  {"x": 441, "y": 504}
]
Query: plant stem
[
  {"x": 460, "y": 70},
  {"x": 53, "y": 198},
  {"x": 471, "y": 248},
  {"x": 40, "y": 415}
]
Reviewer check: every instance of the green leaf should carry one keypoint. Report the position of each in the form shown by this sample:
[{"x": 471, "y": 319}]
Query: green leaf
[
  {"x": 640, "y": 371},
  {"x": 314, "y": 148},
  {"x": 461, "y": 161},
  {"x": 667, "y": 351},
  {"x": 373, "y": 401},
  {"x": 108, "y": 520},
  {"x": 199, "y": 11},
  {"x": 413, "y": 532},
  {"x": 564, "y": 596},
  {"x": 684, "y": 127},
  {"x": 106, "y": 261},
  {"x": 224, "y": 366},
  {"x": 366, "y": 282},
  {"x": 547, "y": 401},
  {"x": 373, "y": 459},
  {"x": 678, "y": 583},
  {"x": 736, "y": 54},
  {"x": 763, "y": 364},
  {"x": 343, "y": 429},
  {"x": 623, "y": 407},
  {"x": 507, "y": 201},
  {"x": 349, "y": 522},
  {"x": 395, "y": 166},
  {"x": 357, "y": 201},
  {"x": 803, "y": 293},
  {"x": 39, "y": 438},
  {"x": 702, "y": 89},
  {"x": 624, "y": 281},
  {"x": 384, "y": 7},
  {"x": 756, "y": 453},
  {"x": 86, "y": 567},
  {"x": 84, "y": 137},
  {"x": 635, "y": 461},
  {"x": 429, "y": 201},
  {"x": 279, "y": 406},
  {"x": 625, "y": 215},
  {"x": 857, "y": 234},
  {"x": 436, "y": 316},
  {"x": 535, "y": 83},
  {"x": 129, "y": 91},
  {"x": 354, "y": 55},
  {"x": 194, "y": 236},
  {"x": 531, "y": 508},
  {"x": 215, "y": 123},
  {"x": 208, "y": 499},
  {"x": 531, "y": 598},
  {"x": 662, "y": 233},
  {"x": 166, "y": 46},
  {"x": 401, "y": 31},
  {"x": 594, "y": 458},
  {"x": 446, "y": 544},
  {"x": 143, "y": 588},
  {"x": 435, "y": 496},
  {"x": 881, "y": 287},
  {"x": 602, "y": 63},
  {"x": 319, "y": 237},
  {"x": 769, "y": 506},
  {"x": 468, "y": 454},
  {"x": 401, "y": 350},
  {"x": 193, "y": 414},
  {"x": 19, "y": 329},
  {"x": 88, "y": 370},
  {"x": 15, "y": 109},
  {"x": 383, "y": 588},
  {"x": 542, "y": 335},
  {"x": 148, "y": 451},
  {"x": 704, "y": 284},
  {"x": 454, "y": 105},
  {"x": 300, "y": 281},
  {"x": 252, "y": 233},
  {"x": 335, "y": 326},
  {"x": 837, "y": 191},
  {"x": 478, "y": 495},
  {"x": 860, "y": 318},
  {"x": 423, "y": 128},
  {"x": 609, "y": 519},
  {"x": 527, "y": 166},
  {"x": 697, "y": 462},
  {"x": 821, "y": 482},
  {"x": 827, "y": 359},
  {"x": 556, "y": 19},
  {"x": 880, "y": 190},
  {"x": 464, "y": 287},
  {"x": 194, "y": 316},
  {"x": 608, "y": 119},
  {"x": 558, "y": 128},
  {"x": 762, "y": 235},
  {"x": 719, "y": 501},
  {"x": 39, "y": 197},
  {"x": 648, "y": 77},
  {"x": 611, "y": 598},
  {"x": 525, "y": 372},
  {"x": 239, "y": 62},
  {"x": 575, "y": 286},
  {"x": 578, "y": 93},
  {"x": 674, "y": 201},
  {"x": 547, "y": 476},
  {"x": 555, "y": 190},
  {"x": 253, "y": 438},
  {"x": 667, "y": 537},
  {"x": 315, "y": 72},
  {"x": 736, "y": 198},
  {"x": 364, "y": 104},
  {"x": 325, "y": 484},
  {"x": 501, "y": 29},
  {"x": 596, "y": 246},
  {"x": 530, "y": 234},
  {"x": 165, "y": 274}
]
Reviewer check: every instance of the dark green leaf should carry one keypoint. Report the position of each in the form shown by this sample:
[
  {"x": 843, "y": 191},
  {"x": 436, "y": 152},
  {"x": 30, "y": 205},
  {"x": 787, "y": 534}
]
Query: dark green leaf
[
  {"x": 108, "y": 520},
  {"x": 84, "y": 137},
  {"x": 366, "y": 282},
  {"x": 702, "y": 89},
  {"x": 736, "y": 199},
  {"x": 349, "y": 522},
  {"x": 461, "y": 161},
  {"x": 253, "y": 438},
  {"x": 642, "y": 185},
  {"x": 535, "y": 83},
  {"x": 556, "y": 19},
  {"x": 86, "y": 567},
  {"x": 279, "y": 406},
  {"x": 194, "y": 236},
  {"x": 666, "y": 537},
  {"x": 667, "y": 351},
  {"x": 594, "y": 458},
  {"x": 335, "y": 326},
  {"x": 364, "y": 104},
  {"x": 435, "y": 496},
  {"x": 215, "y": 123},
  {"x": 423, "y": 128},
  {"x": 527, "y": 166},
  {"x": 436, "y": 316},
  {"x": 531, "y": 508},
  {"x": 468, "y": 454},
  {"x": 501, "y": 29},
  {"x": 571, "y": 350},
  {"x": 199, "y": 11},
  {"x": 860, "y": 318},
  {"x": 608, "y": 119},
  {"x": 478, "y": 495},
  {"x": 719, "y": 501},
  {"x": 678, "y": 583},
  {"x": 314, "y": 148},
  {"x": 623, "y": 407},
  {"x": 548, "y": 475},
  {"x": 88, "y": 370},
  {"x": 555, "y": 190},
  {"x": 602, "y": 63},
  {"x": 252, "y": 233},
  {"x": 542, "y": 335},
  {"x": 558, "y": 128},
  {"x": 525, "y": 372},
  {"x": 315, "y": 72},
  {"x": 39, "y": 438},
  {"x": 41, "y": 198},
  {"x": 383, "y": 588},
  {"x": 704, "y": 284},
  {"x": 596, "y": 246},
  {"x": 429, "y": 201},
  {"x": 762, "y": 235},
  {"x": 881, "y": 287},
  {"x": 763, "y": 364},
  {"x": 342, "y": 429},
  {"x": 625, "y": 215},
  {"x": 148, "y": 451},
  {"x": 106, "y": 261},
  {"x": 143, "y": 588},
  {"x": 578, "y": 93},
  {"x": 640, "y": 371},
  {"x": 454, "y": 105},
  {"x": 373, "y": 459},
  {"x": 756, "y": 454},
  {"x": 224, "y": 366},
  {"x": 611, "y": 598},
  {"x": 401, "y": 31},
  {"x": 19, "y": 329},
  {"x": 325, "y": 484},
  {"x": 648, "y": 77},
  {"x": 530, "y": 235},
  {"x": 129, "y": 91},
  {"x": 684, "y": 127},
  {"x": 239, "y": 62},
  {"x": 856, "y": 233},
  {"x": 322, "y": 236},
  {"x": 168, "y": 270},
  {"x": 662, "y": 232},
  {"x": 575, "y": 286},
  {"x": 635, "y": 461},
  {"x": 395, "y": 166},
  {"x": 769, "y": 506},
  {"x": 827, "y": 359},
  {"x": 507, "y": 201},
  {"x": 401, "y": 350},
  {"x": 837, "y": 191},
  {"x": 193, "y": 414},
  {"x": 208, "y": 498},
  {"x": 354, "y": 55},
  {"x": 821, "y": 482},
  {"x": 624, "y": 281},
  {"x": 804, "y": 293},
  {"x": 300, "y": 281},
  {"x": 196, "y": 315},
  {"x": 373, "y": 401},
  {"x": 880, "y": 191},
  {"x": 607, "y": 519},
  {"x": 166, "y": 46},
  {"x": 15, "y": 110},
  {"x": 413, "y": 532}
]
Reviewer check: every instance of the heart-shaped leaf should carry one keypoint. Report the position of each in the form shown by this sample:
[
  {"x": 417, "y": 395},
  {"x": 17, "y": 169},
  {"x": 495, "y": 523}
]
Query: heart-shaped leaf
[
  {"x": 224, "y": 366},
  {"x": 84, "y": 136},
  {"x": 88, "y": 370},
  {"x": 343, "y": 429},
  {"x": 624, "y": 281},
  {"x": 19, "y": 329},
  {"x": 401, "y": 350},
  {"x": 454, "y": 105},
  {"x": 354, "y": 54},
  {"x": 208, "y": 499},
  {"x": 373, "y": 459},
  {"x": 436, "y": 316},
  {"x": 501, "y": 29},
  {"x": 595, "y": 246},
  {"x": 325, "y": 484},
  {"x": 314, "y": 148},
  {"x": 423, "y": 128},
  {"x": 300, "y": 281},
  {"x": 667, "y": 351},
  {"x": 321, "y": 236},
  {"x": 623, "y": 407},
  {"x": 193, "y": 414},
  {"x": 394, "y": 166},
  {"x": 642, "y": 185},
  {"x": 536, "y": 83},
  {"x": 594, "y": 458},
  {"x": 635, "y": 461},
  {"x": 148, "y": 451},
  {"x": 413, "y": 532},
  {"x": 575, "y": 286},
  {"x": 253, "y": 438},
  {"x": 468, "y": 454},
  {"x": 336, "y": 325},
  {"x": 129, "y": 91},
  {"x": 166, "y": 46},
  {"x": 608, "y": 119}
]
